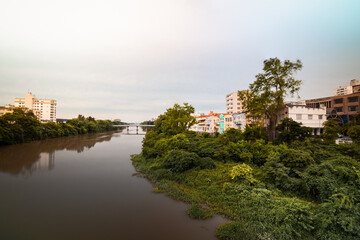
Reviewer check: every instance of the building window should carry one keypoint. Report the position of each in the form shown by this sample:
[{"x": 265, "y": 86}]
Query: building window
[
  {"x": 310, "y": 116},
  {"x": 353, "y": 108},
  {"x": 353, "y": 99},
  {"x": 338, "y": 109},
  {"x": 338, "y": 101},
  {"x": 320, "y": 117},
  {"x": 298, "y": 116}
]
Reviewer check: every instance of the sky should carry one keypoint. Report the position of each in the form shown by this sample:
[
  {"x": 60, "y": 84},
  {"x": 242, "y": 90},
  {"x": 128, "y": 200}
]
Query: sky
[{"x": 131, "y": 60}]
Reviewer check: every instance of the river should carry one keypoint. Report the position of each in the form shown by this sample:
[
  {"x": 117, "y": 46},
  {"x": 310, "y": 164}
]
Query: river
[{"x": 83, "y": 187}]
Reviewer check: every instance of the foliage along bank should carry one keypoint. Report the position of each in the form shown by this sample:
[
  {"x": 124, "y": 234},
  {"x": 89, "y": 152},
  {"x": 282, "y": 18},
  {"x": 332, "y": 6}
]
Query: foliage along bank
[
  {"x": 293, "y": 188},
  {"x": 22, "y": 126}
]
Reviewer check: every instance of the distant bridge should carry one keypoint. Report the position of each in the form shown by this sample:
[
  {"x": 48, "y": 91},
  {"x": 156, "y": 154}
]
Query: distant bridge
[{"x": 135, "y": 125}]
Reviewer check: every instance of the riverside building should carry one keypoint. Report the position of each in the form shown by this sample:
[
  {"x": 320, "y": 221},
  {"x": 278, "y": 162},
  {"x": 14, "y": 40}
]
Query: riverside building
[
  {"x": 340, "y": 108},
  {"x": 44, "y": 109},
  {"x": 353, "y": 88},
  {"x": 233, "y": 103},
  {"x": 312, "y": 117}
]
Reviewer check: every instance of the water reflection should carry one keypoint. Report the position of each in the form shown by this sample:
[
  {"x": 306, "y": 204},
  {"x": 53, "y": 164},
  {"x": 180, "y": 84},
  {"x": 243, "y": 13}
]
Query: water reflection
[{"x": 40, "y": 155}]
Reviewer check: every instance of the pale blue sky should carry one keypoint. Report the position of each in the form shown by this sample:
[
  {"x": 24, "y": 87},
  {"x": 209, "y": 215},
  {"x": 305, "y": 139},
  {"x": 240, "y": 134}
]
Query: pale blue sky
[{"x": 133, "y": 59}]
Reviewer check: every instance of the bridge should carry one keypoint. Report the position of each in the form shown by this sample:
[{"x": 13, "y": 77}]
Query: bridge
[{"x": 134, "y": 125}]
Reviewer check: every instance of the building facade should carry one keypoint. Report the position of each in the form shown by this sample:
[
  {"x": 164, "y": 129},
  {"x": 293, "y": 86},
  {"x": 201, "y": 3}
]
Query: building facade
[
  {"x": 343, "y": 90},
  {"x": 341, "y": 108},
  {"x": 308, "y": 116},
  {"x": 207, "y": 123},
  {"x": 233, "y": 103},
  {"x": 353, "y": 88},
  {"x": 354, "y": 82},
  {"x": 228, "y": 121},
  {"x": 44, "y": 109},
  {"x": 239, "y": 121}
]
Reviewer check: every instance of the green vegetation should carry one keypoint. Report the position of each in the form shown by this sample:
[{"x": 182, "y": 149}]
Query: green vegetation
[
  {"x": 265, "y": 97},
  {"x": 197, "y": 211},
  {"x": 22, "y": 126},
  {"x": 292, "y": 188}
]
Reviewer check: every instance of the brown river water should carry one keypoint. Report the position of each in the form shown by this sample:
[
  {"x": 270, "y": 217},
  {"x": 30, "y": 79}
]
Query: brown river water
[{"x": 82, "y": 187}]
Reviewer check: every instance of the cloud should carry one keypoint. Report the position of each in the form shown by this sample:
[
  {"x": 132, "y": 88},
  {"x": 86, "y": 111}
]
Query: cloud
[{"x": 133, "y": 59}]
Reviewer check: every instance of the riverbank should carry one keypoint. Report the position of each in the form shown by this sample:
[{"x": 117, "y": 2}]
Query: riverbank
[
  {"x": 21, "y": 127},
  {"x": 305, "y": 190}
]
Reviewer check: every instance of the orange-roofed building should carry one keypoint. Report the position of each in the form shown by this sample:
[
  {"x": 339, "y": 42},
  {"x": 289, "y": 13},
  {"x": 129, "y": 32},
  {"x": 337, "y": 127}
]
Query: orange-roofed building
[{"x": 211, "y": 123}]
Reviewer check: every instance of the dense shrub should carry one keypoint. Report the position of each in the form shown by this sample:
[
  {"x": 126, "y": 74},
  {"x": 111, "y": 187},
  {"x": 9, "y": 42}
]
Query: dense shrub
[
  {"x": 303, "y": 188},
  {"x": 22, "y": 126},
  {"x": 205, "y": 163},
  {"x": 243, "y": 172},
  {"x": 180, "y": 160},
  {"x": 196, "y": 211}
]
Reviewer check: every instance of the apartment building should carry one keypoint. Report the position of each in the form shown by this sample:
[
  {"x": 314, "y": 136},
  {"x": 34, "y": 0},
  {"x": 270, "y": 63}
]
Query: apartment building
[
  {"x": 207, "y": 123},
  {"x": 228, "y": 121},
  {"x": 213, "y": 122},
  {"x": 233, "y": 103},
  {"x": 341, "y": 108},
  {"x": 311, "y": 117},
  {"x": 343, "y": 90},
  {"x": 44, "y": 109},
  {"x": 353, "y": 88},
  {"x": 239, "y": 121},
  {"x": 199, "y": 126},
  {"x": 354, "y": 82}
]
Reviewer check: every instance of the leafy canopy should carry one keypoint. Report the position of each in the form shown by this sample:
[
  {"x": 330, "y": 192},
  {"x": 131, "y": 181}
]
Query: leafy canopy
[
  {"x": 265, "y": 97},
  {"x": 175, "y": 120},
  {"x": 291, "y": 130},
  {"x": 331, "y": 130}
]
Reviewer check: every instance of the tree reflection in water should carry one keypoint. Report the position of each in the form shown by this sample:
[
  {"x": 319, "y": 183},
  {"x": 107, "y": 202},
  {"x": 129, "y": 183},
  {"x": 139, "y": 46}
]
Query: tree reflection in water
[{"x": 28, "y": 157}]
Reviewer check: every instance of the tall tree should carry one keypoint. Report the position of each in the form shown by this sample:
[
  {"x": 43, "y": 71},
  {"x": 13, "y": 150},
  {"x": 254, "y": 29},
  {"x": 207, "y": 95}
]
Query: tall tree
[
  {"x": 175, "y": 120},
  {"x": 265, "y": 97}
]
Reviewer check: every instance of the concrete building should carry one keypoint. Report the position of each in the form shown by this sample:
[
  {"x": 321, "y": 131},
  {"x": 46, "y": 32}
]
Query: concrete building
[
  {"x": 308, "y": 116},
  {"x": 356, "y": 89},
  {"x": 343, "y": 90},
  {"x": 233, "y": 103},
  {"x": 239, "y": 121},
  {"x": 340, "y": 108},
  {"x": 44, "y": 109},
  {"x": 354, "y": 82},
  {"x": 353, "y": 88},
  {"x": 212, "y": 123},
  {"x": 199, "y": 126},
  {"x": 6, "y": 109},
  {"x": 228, "y": 121},
  {"x": 207, "y": 123}
]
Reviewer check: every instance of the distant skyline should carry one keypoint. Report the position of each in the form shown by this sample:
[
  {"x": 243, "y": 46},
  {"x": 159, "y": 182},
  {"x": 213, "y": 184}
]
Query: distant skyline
[{"x": 134, "y": 59}]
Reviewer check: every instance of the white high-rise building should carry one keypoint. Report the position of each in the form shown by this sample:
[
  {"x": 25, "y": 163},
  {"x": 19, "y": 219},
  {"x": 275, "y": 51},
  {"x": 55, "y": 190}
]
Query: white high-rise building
[
  {"x": 343, "y": 90},
  {"x": 44, "y": 109},
  {"x": 353, "y": 88},
  {"x": 233, "y": 103}
]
